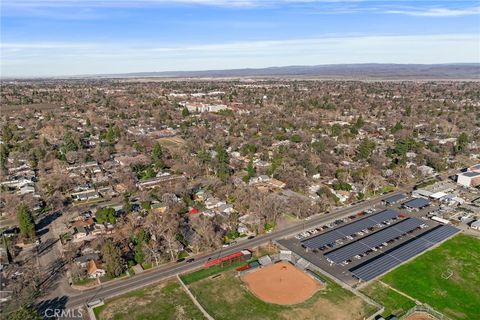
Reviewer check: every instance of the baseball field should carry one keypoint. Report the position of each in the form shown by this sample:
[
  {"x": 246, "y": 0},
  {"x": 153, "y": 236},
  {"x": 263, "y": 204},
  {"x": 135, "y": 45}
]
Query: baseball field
[{"x": 232, "y": 297}]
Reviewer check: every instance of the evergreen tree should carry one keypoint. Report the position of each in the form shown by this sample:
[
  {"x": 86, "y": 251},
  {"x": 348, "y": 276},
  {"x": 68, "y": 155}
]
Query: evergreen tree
[
  {"x": 462, "y": 142},
  {"x": 106, "y": 215},
  {"x": 319, "y": 146},
  {"x": 7, "y": 134},
  {"x": 112, "y": 256},
  {"x": 127, "y": 205},
  {"x": 157, "y": 155},
  {"x": 250, "y": 172},
  {"x": 4, "y": 152},
  {"x": 397, "y": 127},
  {"x": 365, "y": 149},
  {"x": 26, "y": 222}
]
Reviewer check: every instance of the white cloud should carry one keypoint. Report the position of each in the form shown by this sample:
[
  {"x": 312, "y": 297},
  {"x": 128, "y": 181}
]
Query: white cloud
[{"x": 438, "y": 12}]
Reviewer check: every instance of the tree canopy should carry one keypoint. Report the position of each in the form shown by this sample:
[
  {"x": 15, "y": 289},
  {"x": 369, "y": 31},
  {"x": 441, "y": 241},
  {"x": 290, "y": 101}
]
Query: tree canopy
[
  {"x": 26, "y": 222},
  {"x": 106, "y": 214},
  {"x": 112, "y": 256}
]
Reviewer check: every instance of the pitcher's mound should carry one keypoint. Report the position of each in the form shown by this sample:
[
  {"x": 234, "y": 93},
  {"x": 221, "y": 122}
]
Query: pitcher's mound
[{"x": 281, "y": 283}]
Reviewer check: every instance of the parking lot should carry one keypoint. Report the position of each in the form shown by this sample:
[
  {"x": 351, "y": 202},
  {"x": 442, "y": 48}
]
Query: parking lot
[{"x": 358, "y": 238}]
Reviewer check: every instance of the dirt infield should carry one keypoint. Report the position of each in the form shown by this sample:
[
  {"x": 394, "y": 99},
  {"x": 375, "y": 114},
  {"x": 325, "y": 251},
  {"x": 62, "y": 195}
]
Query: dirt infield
[
  {"x": 420, "y": 316},
  {"x": 281, "y": 283}
]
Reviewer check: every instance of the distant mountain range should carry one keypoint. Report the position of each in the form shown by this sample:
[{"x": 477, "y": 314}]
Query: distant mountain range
[{"x": 337, "y": 71}]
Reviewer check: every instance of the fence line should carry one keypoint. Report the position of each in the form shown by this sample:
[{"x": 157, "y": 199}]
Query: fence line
[{"x": 425, "y": 308}]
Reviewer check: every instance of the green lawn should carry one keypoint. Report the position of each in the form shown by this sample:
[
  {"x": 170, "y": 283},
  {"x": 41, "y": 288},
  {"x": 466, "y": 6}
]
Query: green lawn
[
  {"x": 227, "y": 297},
  {"x": 205, "y": 273},
  {"x": 393, "y": 302},
  {"x": 164, "y": 301},
  {"x": 457, "y": 297}
]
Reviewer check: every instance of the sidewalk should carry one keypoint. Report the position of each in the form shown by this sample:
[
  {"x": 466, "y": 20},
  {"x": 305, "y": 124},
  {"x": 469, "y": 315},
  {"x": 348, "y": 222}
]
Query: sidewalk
[{"x": 192, "y": 297}]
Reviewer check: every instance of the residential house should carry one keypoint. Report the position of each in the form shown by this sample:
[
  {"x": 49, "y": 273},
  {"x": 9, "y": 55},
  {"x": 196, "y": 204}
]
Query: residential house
[
  {"x": 80, "y": 233},
  {"x": 212, "y": 203},
  {"x": 94, "y": 271},
  {"x": 153, "y": 182},
  {"x": 86, "y": 195},
  {"x": 83, "y": 260}
]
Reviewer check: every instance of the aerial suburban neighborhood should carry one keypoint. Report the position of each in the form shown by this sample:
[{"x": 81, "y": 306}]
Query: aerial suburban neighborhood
[
  {"x": 107, "y": 184},
  {"x": 240, "y": 160}
]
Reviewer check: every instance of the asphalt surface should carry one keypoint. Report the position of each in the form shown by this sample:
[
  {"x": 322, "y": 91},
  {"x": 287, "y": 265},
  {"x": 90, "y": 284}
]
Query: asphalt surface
[{"x": 151, "y": 276}]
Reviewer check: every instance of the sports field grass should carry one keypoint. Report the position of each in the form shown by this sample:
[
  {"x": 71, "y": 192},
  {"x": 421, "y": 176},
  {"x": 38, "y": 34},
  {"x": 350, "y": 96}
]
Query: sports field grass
[
  {"x": 227, "y": 297},
  {"x": 164, "y": 301},
  {"x": 205, "y": 273},
  {"x": 457, "y": 297},
  {"x": 393, "y": 302}
]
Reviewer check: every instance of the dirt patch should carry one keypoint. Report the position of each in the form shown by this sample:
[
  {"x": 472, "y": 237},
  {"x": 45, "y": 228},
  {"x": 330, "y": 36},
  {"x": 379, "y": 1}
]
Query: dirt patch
[
  {"x": 420, "y": 316},
  {"x": 122, "y": 306},
  {"x": 281, "y": 283}
]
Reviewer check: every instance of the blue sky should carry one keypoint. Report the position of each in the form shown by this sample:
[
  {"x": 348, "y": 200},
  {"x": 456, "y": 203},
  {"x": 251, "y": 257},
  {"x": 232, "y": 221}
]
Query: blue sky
[{"x": 76, "y": 37}]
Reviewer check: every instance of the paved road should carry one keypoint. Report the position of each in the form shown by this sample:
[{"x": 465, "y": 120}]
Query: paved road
[{"x": 151, "y": 276}]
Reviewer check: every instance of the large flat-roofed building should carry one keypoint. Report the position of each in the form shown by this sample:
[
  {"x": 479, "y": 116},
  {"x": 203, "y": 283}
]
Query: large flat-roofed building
[{"x": 469, "y": 179}]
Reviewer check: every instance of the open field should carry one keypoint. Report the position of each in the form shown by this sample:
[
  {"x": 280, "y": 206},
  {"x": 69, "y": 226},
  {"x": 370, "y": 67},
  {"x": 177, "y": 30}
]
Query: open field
[
  {"x": 172, "y": 142},
  {"x": 227, "y": 297},
  {"x": 458, "y": 297},
  {"x": 393, "y": 302},
  {"x": 281, "y": 283},
  {"x": 163, "y": 301}
]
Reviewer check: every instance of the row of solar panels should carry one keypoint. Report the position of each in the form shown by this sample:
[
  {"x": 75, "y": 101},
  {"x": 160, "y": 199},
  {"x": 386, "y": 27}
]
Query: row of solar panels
[
  {"x": 374, "y": 240},
  {"x": 331, "y": 236},
  {"x": 388, "y": 260}
]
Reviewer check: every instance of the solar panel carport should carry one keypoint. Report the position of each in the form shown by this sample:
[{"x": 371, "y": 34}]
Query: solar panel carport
[
  {"x": 374, "y": 240},
  {"x": 417, "y": 203},
  {"x": 349, "y": 229},
  {"x": 388, "y": 260}
]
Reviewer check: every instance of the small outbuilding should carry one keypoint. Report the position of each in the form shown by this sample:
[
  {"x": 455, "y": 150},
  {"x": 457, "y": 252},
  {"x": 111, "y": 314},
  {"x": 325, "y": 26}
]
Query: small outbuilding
[
  {"x": 394, "y": 199},
  {"x": 475, "y": 225}
]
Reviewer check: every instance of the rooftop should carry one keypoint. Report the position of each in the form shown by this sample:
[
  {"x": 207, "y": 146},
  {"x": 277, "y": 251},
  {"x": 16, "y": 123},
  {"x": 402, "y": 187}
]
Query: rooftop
[{"x": 417, "y": 203}]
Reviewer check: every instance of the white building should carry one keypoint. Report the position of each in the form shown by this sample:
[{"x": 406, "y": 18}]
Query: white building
[
  {"x": 469, "y": 179},
  {"x": 475, "y": 225}
]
